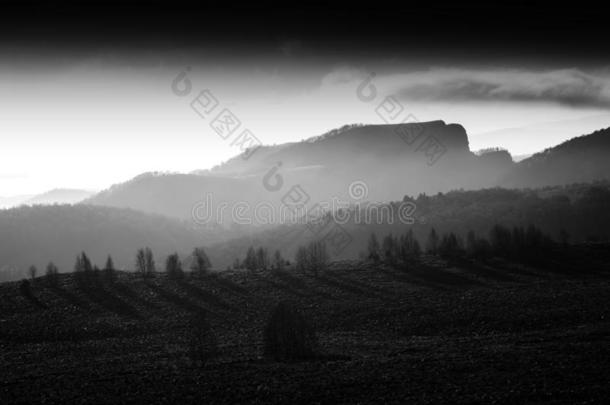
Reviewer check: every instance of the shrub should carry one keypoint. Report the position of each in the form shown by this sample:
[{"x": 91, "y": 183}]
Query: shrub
[{"x": 288, "y": 336}]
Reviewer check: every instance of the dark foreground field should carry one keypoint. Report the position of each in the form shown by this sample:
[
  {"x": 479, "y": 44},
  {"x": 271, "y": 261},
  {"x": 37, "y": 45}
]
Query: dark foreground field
[{"x": 499, "y": 333}]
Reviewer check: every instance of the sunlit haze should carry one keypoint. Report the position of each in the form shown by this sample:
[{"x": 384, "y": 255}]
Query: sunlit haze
[{"x": 114, "y": 121}]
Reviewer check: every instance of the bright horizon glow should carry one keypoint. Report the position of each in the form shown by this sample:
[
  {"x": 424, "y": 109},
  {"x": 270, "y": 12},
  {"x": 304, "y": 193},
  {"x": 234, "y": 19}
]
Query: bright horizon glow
[{"x": 90, "y": 126}]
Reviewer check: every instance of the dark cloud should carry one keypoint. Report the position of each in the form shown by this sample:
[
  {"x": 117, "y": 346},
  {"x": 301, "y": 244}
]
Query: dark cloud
[{"x": 569, "y": 87}]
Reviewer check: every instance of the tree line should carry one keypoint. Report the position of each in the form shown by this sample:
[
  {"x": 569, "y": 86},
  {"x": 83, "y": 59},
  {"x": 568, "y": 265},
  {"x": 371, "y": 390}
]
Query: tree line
[
  {"x": 519, "y": 244},
  {"x": 145, "y": 266}
]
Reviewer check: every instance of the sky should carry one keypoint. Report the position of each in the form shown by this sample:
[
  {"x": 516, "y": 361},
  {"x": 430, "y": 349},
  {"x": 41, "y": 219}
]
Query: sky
[{"x": 85, "y": 108}]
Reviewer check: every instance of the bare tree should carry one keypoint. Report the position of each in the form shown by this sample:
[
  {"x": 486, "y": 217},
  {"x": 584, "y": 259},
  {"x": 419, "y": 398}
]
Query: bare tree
[
  {"x": 173, "y": 266},
  {"x": 141, "y": 262},
  {"x": 52, "y": 273},
  {"x": 150, "y": 262},
  {"x": 200, "y": 261},
  {"x": 32, "y": 271},
  {"x": 312, "y": 258},
  {"x": 262, "y": 258}
]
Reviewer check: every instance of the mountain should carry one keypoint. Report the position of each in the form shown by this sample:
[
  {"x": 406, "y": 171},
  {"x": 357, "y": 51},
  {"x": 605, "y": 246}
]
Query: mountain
[
  {"x": 175, "y": 195},
  {"x": 59, "y": 196},
  {"x": 385, "y": 162},
  {"x": 541, "y": 135},
  {"x": 39, "y": 234},
  {"x": 390, "y": 160},
  {"x": 581, "y": 159},
  {"x": 578, "y": 209}
]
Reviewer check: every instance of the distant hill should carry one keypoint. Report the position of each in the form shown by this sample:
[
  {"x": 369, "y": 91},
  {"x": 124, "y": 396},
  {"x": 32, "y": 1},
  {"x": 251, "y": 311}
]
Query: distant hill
[
  {"x": 578, "y": 209},
  {"x": 324, "y": 167},
  {"x": 55, "y": 196},
  {"x": 541, "y": 135},
  {"x": 13, "y": 201},
  {"x": 581, "y": 159},
  {"x": 39, "y": 234},
  {"x": 59, "y": 196}
]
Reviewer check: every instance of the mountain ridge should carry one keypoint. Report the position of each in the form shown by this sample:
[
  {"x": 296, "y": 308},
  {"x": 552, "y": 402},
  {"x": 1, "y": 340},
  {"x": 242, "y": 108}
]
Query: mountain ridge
[{"x": 379, "y": 156}]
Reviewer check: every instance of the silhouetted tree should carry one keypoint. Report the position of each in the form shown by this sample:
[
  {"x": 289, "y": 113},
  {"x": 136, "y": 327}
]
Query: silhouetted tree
[
  {"x": 278, "y": 261},
  {"x": 301, "y": 259},
  {"x": 407, "y": 247},
  {"x": 52, "y": 274},
  {"x": 500, "y": 239},
  {"x": 82, "y": 267},
  {"x": 141, "y": 262},
  {"x": 477, "y": 248},
  {"x": 250, "y": 262},
  {"x": 451, "y": 246},
  {"x": 312, "y": 258},
  {"x": 32, "y": 271},
  {"x": 109, "y": 270},
  {"x": 432, "y": 242},
  {"x": 173, "y": 266},
  {"x": 389, "y": 246},
  {"x": 150, "y": 262},
  {"x": 318, "y": 256},
  {"x": 262, "y": 258},
  {"x": 288, "y": 336},
  {"x": 373, "y": 248},
  {"x": 200, "y": 263}
]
